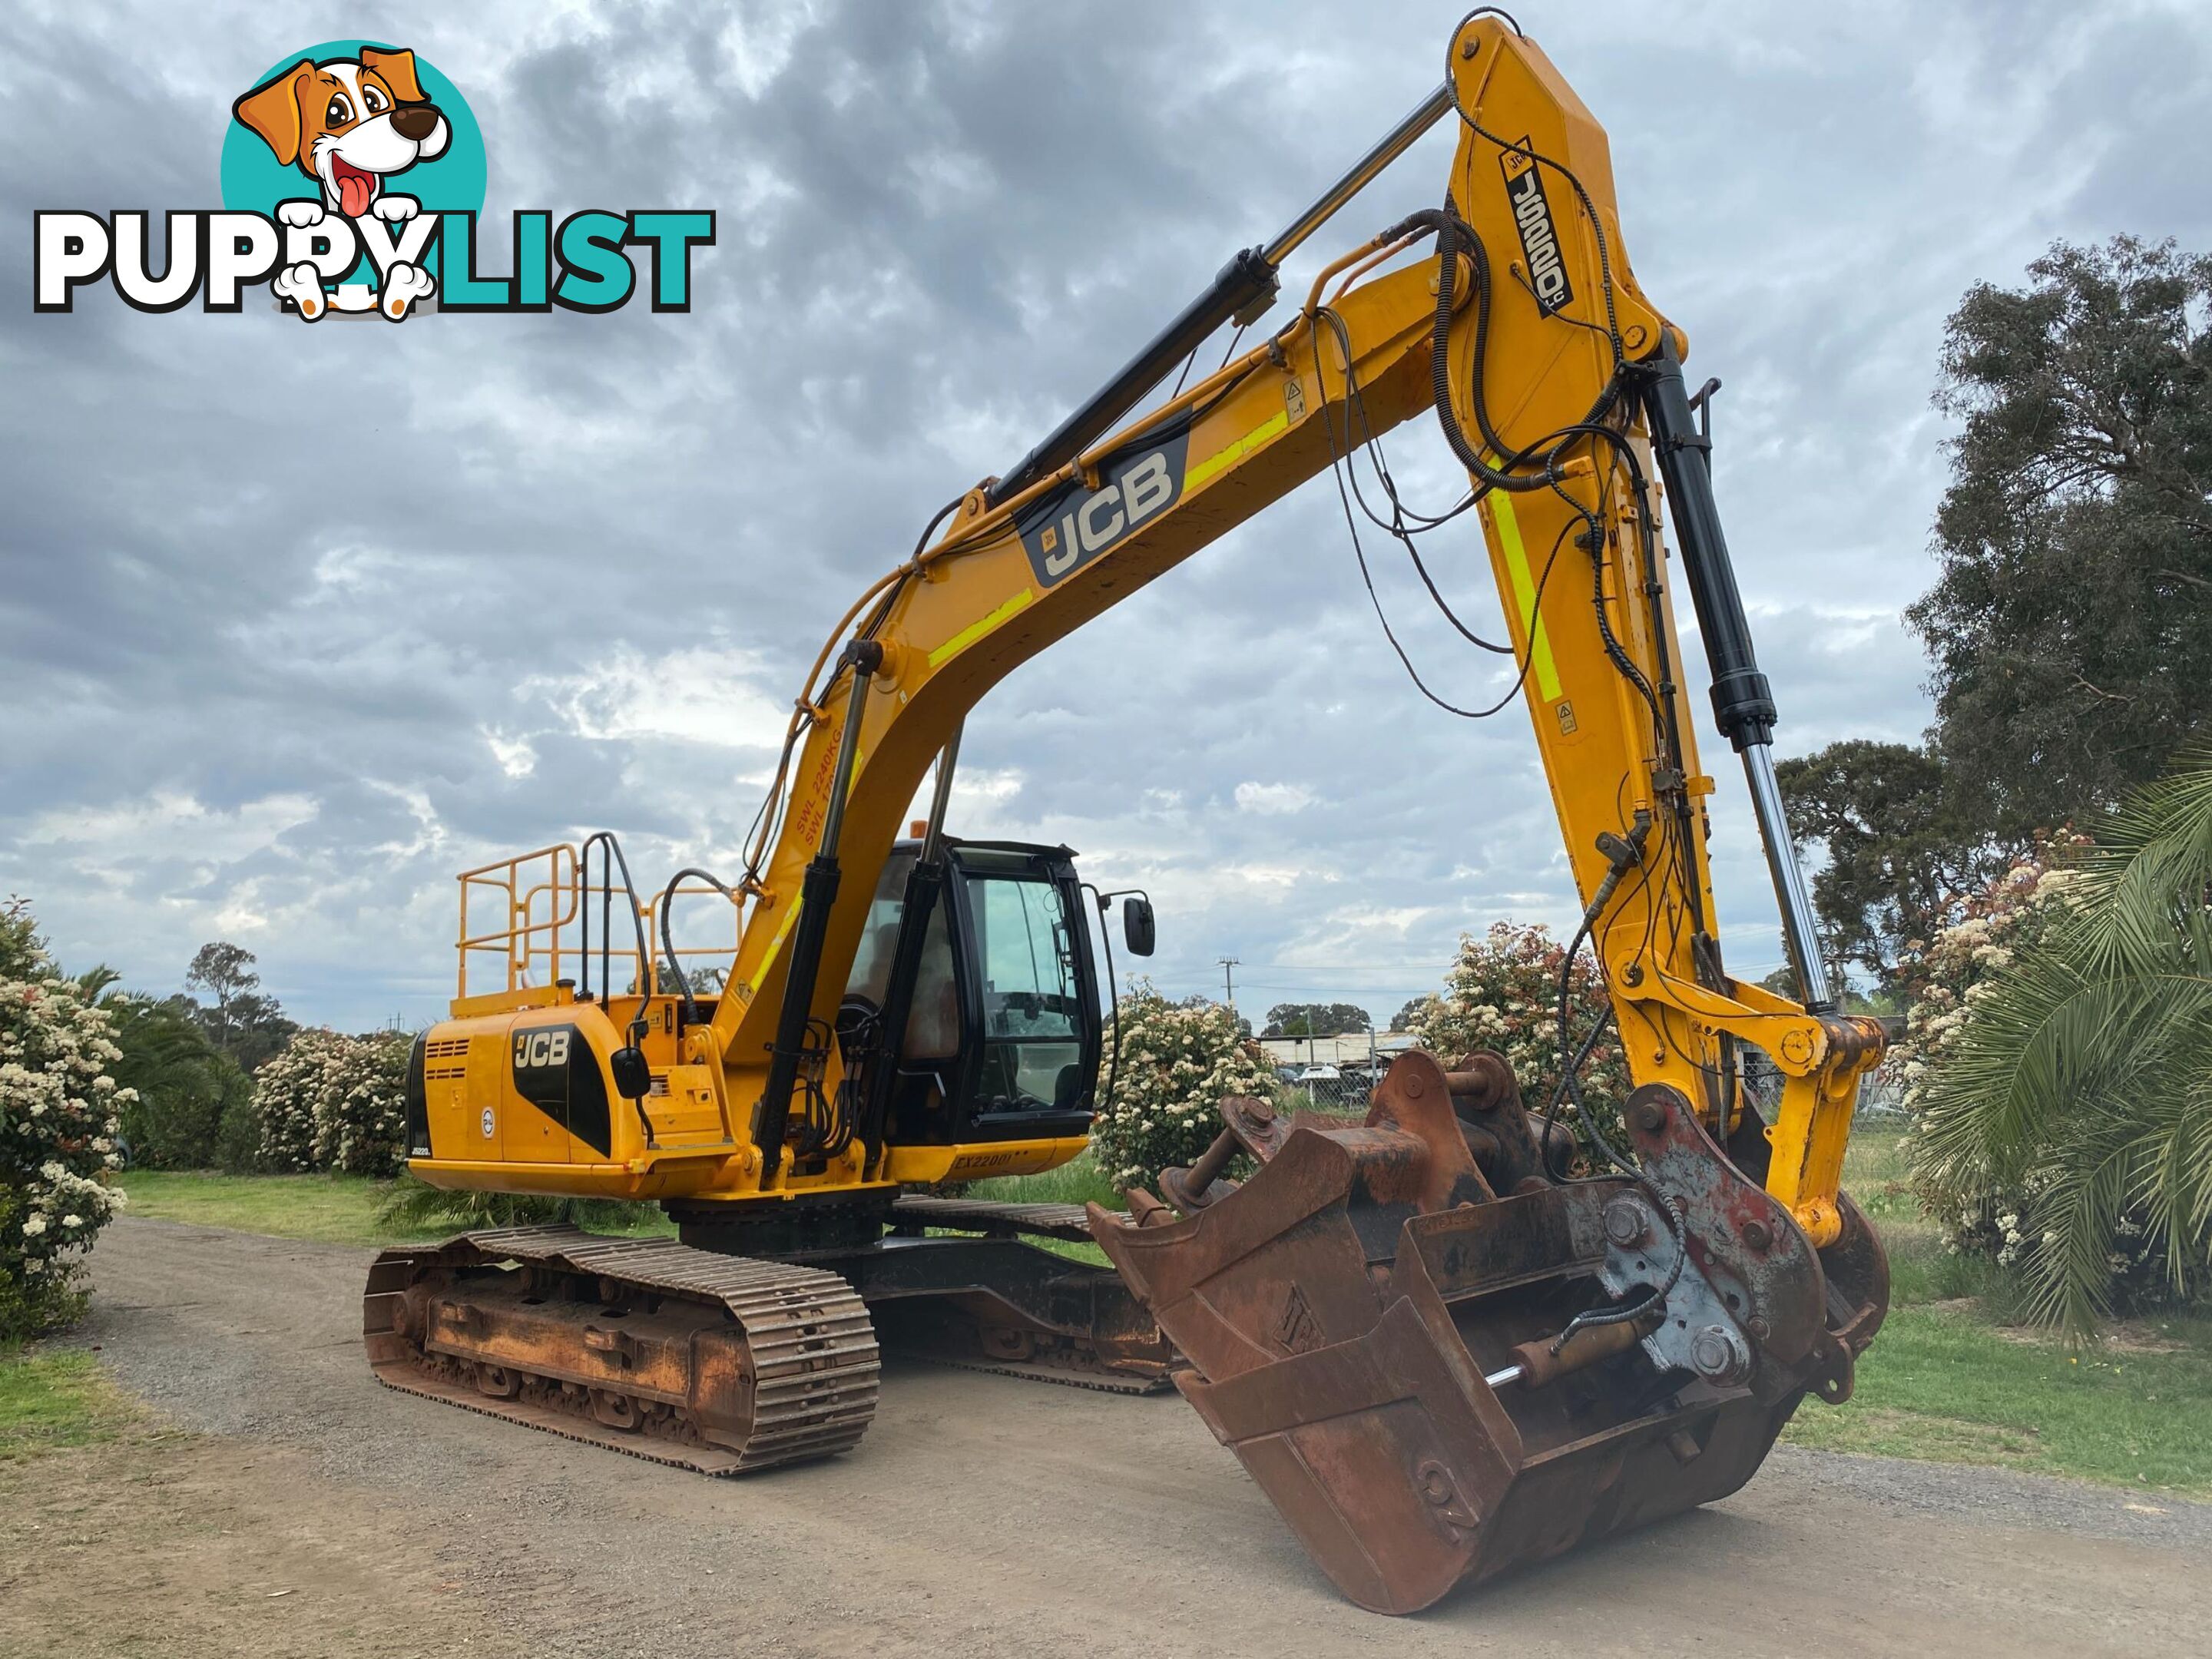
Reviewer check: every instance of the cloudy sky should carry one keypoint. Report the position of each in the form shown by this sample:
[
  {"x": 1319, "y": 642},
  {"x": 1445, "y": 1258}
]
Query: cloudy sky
[{"x": 298, "y": 623}]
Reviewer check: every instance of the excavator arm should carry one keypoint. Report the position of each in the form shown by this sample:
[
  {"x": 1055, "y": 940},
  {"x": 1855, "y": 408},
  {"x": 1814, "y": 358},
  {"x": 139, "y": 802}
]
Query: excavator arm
[
  {"x": 1513, "y": 316},
  {"x": 1439, "y": 1351}
]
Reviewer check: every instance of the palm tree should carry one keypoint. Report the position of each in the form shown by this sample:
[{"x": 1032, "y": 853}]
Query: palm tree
[
  {"x": 183, "y": 1084},
  {"x": 2083, "y": 1075},
  {"x": 414, "y": 1205}
]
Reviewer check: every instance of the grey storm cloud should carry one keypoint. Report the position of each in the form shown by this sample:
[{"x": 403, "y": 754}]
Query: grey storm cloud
[{"x": 298, "y": 623}]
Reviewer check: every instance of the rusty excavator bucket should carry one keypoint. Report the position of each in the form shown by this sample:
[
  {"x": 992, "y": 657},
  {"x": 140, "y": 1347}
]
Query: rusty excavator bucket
[{"x": 1441, "y": 1361}]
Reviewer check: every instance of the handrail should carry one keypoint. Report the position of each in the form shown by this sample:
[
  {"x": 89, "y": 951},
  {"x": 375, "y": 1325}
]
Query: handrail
[
  {"x": 523, "y": 938},
  {"x": 541, "y": 932}
]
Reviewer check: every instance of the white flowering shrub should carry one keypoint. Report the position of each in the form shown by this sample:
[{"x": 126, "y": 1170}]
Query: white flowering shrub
[
  {"x": 1941, "y": 977},
  {"x": 1178, "y": 1062},
  {"x": 285, "y": 1090},
  {"x": 360, "y": 1123},
  {"x": 58, "y": 1106},
  {"x": 1947, "y": 977},
  {"x": 336, "y": 1103},
  {"x": 1502, "y": 993}
]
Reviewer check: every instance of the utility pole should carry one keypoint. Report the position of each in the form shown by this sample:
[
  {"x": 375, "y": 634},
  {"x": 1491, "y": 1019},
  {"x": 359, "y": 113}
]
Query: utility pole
[{"x": 1229, "y": 964}]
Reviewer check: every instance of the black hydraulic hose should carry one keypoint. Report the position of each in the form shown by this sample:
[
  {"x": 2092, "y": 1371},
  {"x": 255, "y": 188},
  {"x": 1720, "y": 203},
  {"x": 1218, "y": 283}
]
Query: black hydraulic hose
[
  {"x": 1450, "y": 227},
  {"x": 817, "y": 893},
  {"x": 921, "y": 544},
  {"x": 791, "y": 738},
  {"x": 610, "y": 849},
  {"x": 1627, "y": 854},
  {"x": 1665, "y": 1201},
  {"x": 1615, "y": 652},
  {"x": 668, "y": 944},
  {"x": 1604, "y": 1023},
  {"x": 611, "y": 856}
]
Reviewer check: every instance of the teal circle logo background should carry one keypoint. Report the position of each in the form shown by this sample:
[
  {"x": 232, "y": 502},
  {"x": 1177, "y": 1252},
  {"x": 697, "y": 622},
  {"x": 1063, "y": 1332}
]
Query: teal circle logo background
[{"x": 254, "y": 181}]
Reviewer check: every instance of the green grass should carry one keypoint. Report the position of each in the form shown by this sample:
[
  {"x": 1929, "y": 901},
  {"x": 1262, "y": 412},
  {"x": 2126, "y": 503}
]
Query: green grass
[
  {"x": 1948, "y": 1381},
  {"x": 331, "y": 1209},
  {"x": 334, "y": 1209},
  {"x": 1945, "y": 1384},
  {"x": 56, "y": 1398},
  {"x": 1076, "y": 1182}
]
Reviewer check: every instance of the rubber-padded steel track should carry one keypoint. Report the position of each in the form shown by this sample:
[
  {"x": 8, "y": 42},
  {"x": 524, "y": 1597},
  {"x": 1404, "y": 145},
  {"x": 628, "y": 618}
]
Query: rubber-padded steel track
[
  {"x": 973, "y": 1215},
  {"x": 1099, "y": 1382},
  {"x": 811, "y": 1345}
]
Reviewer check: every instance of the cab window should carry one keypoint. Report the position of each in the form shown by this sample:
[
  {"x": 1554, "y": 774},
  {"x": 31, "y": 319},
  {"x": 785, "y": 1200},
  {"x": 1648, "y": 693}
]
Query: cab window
[
  {"x": 1031, "y": 998},
  {"x": 933, "y": 1022}
]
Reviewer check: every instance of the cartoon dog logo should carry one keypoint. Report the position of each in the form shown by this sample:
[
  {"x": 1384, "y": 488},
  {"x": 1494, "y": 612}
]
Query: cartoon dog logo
[{"x": 350, "y": 123}]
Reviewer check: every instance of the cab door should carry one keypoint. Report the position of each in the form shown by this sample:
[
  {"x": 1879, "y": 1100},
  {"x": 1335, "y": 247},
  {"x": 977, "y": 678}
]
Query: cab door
[{"x": 1031, "y": 1004}]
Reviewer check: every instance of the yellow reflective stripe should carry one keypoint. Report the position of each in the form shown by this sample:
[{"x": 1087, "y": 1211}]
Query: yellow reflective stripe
[
  {"x": 982, "y": 625},
  {"x": 1221, "y": 458},
  {"x": 768, "y": 957},
  {"x": 783, "y": 928},
  {"x": 1524, "y": 594}
]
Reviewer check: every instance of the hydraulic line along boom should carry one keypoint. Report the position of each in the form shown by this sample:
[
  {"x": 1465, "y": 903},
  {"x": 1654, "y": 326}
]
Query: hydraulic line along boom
[
  {"x": 817, "y": 894},
  {"x": 1242, "y": 292},
  {"x": 1743, "y": 703}
]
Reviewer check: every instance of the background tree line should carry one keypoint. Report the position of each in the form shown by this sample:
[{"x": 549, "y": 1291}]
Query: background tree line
[
  {"x": 2029, "y": 884},
  {"x": 2069, "y": 627},
  {"x": 1314, "y": 1019},
  {"x": 191, "y": 1058}
]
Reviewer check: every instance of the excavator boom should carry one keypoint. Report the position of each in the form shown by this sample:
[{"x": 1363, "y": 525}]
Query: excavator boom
[{"x": 1502, "y": 353}]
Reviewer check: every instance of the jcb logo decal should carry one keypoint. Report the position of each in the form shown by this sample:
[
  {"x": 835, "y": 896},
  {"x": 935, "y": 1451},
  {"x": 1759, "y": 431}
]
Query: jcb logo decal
[
  {"x": 557, "y": 1071},
  {"x": 536, "y": 1050},
  {"x": 1073, "y": 525},
  {"x": 1540, "y": 238}
]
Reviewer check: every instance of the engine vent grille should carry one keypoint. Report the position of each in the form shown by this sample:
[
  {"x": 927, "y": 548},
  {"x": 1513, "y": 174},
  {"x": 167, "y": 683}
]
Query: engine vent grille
[{"x": 454, "y": 1051}]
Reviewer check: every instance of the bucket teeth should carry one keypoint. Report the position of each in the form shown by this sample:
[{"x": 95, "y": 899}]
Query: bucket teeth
[{"x": 1395, "y": 1357}]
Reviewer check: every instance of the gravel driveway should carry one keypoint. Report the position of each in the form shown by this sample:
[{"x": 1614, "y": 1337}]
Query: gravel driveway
[{"x": 988, "y": 1517}]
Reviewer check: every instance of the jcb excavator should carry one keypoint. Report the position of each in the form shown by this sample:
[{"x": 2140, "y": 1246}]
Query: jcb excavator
[{"x": 1439, "y": 1348}]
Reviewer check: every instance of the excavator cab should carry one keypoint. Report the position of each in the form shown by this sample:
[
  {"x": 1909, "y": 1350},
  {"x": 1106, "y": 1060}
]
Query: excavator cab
[{"x": 1003, "y": 1028}]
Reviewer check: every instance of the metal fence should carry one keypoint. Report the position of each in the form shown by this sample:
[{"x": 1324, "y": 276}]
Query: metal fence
[
  {"x": 1326, "y": 1088},
  {"x": 1881, "y": 1097}
]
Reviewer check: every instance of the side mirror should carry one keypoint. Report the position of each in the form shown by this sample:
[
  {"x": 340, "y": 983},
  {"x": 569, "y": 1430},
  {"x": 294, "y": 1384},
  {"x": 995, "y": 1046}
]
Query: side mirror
[
  {"x": 1137, "y": 927},
  {"x": 633, "y": 1077}
]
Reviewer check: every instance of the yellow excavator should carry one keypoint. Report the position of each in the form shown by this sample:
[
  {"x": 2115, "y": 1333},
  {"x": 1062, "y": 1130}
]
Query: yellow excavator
[{"x": 1439, "y": 1342}]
